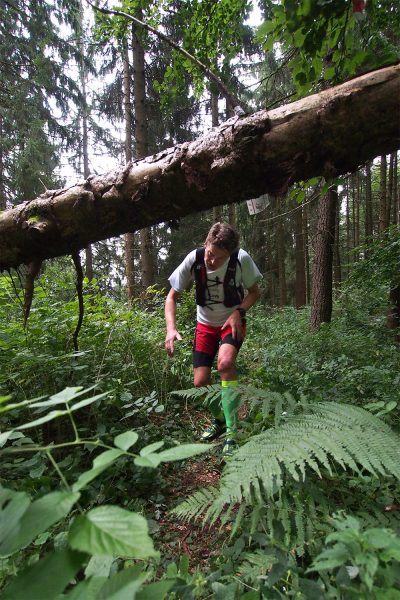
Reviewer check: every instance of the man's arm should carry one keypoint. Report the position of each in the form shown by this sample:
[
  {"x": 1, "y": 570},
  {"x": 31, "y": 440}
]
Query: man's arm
[
  {"x": 170, "y": 319},
  {"x": 234, "y": 319}
]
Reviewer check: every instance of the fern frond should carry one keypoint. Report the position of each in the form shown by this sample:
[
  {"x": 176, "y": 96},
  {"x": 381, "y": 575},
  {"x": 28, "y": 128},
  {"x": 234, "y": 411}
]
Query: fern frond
[
  {"x": 197, "y": 392},
  {"x": 196, "y": 504},
  {"x": 269, "y": 402},
  {"x": 326, "y": 434}
]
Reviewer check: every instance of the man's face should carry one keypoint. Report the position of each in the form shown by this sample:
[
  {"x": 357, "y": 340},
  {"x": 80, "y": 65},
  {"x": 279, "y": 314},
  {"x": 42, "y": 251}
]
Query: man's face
[{"x": 215, "y": 257}]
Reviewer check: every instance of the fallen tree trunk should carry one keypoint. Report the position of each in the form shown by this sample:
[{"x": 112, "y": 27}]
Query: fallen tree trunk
[{"x": 327, "y": 134}]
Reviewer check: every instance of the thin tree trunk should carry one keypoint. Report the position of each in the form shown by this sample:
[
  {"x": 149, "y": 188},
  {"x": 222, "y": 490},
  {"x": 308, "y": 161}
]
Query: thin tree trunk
[
  {"x": 231, "y": 207},
  {"x": 368, "y": 206},
  {"x": 3, "y": 203},
  {"x": 145, "y": 236},
  {"x": 300, "y": 259},
  {"x": 281, "y": 252},
  {"x": 217, "y": 210},
  {"x": 306, "y": 254},
  {"x": 337, "y": 264},
  {"x": 85, "y": 141},
  {"x": 390, "y": 201},
  {"x": 357, "y": 216},
  {"x": 348, "y": 225},
  {"x": 396, "y": 199},
  {"x": 382, "y": 197},
  {"x": 321, "y": 306},
  {"x": 129, "y": 237}
]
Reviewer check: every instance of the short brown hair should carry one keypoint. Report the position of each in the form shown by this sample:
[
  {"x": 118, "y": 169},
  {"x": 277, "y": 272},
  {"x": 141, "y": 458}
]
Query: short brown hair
[{"x": 223, "y": 236}]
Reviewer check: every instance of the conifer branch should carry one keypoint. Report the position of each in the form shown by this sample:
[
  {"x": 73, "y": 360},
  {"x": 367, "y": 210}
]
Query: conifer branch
[{"x": 206, "y": 71}]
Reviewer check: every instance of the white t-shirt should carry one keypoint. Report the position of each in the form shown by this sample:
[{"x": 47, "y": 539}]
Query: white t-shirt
[{"x": 215, "y": 312}]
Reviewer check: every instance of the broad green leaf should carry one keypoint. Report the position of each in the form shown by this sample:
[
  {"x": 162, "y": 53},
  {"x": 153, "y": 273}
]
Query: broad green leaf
[
  {"x": 155, "y": 591},
  {"x": 4, "y": 437},
  {"x": 378, "y": 538},
  {"x": 86, "y": 590},
  {"x": 107, "y": 457},
  {"x": 9, "y": 407},
  {"x": 62, "y": 397},
  {"x": 38, "y": 517},
  {"x": 15, "y": 505},
  {"x": 183, "y": 451},
  {"x": 112, "y": 530},
  {"x": 100, "y": 463},
  {"x": 49, "y": 417},
  {"x": 152, "y": 461},
  {"x": 123, "y": 585},
  {"x": 88, "y": 401},
  {"x": 46, "y": 579},
  {"x": 126, "y": 440},
  {"x": 151, "y": 448},
  {"x": 99, "y": 565}
]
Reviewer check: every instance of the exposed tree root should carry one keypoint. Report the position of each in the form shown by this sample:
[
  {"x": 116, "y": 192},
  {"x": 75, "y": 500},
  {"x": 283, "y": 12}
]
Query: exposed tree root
[
  {"x": 79, "y": 288},
  {"x": 33, "y": 269}
]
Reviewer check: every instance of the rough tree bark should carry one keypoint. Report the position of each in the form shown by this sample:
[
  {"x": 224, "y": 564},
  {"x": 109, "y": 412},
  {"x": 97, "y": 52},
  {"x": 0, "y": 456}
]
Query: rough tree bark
[
  {"x": 383, "y": 222},
  {"x": 141, "y": 125},
  {"x": 321, "y": 303},
  {"x": 300, "y": 259},
  {"x": 327, "y": 134},
  {"x": 129, "y": 237},
  {"x": 85, "y": 128},
  {"x": 217, "y": 210}
]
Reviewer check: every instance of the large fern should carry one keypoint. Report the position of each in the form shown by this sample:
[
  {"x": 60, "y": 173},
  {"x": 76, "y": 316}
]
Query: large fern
[{"x": 271, "y": 475}]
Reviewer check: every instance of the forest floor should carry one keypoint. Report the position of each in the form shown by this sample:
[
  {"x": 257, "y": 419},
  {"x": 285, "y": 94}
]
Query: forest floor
[{"x": 202, "y": 543}]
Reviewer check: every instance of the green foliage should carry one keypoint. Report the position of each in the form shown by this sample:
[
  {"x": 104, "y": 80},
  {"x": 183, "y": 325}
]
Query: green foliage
[
  {"x": 275, "y": 472},
  {"x": 81, "y": 469},
  {"x": 105, "y": 530},
  {"x": 354, "y": 359},
  {"x": 326, "y": 42},
  {"x": 366, "y": 564}
]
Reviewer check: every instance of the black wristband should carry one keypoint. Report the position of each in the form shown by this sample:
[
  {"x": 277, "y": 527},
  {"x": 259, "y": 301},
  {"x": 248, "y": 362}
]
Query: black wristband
[{"x": 242, "y": 312}]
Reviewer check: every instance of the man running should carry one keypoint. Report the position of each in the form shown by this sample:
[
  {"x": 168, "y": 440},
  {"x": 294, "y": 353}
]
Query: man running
[{"x": 222, "y": 272}]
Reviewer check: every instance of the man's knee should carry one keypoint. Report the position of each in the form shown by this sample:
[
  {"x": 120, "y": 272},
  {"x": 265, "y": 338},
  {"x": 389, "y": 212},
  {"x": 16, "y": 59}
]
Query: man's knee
[
  {"x": 201, "y": 377},
  {"x": 225, "y": 365}
]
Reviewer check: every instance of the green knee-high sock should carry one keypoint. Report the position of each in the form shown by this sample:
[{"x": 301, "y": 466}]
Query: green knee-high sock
[
  {"x": 230, "y": 404},
  {"x": 215, "y": 408}
]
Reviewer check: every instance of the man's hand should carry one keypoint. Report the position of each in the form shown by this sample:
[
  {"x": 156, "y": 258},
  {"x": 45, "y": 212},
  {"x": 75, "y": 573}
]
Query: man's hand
[
  {"x": 235, "y": 322},
  {"x": 170, "y": 339}
]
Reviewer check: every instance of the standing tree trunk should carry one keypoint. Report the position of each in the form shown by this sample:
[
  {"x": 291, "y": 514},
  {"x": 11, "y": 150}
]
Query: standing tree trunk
[
  {"x": 306, "y": 254},
  {"x": 280, "y": 246},
  {"x": 337, "y": 263},
  {"x": 85, "y": 142},
  {"x": 321, "y": 306},
  {"x": 3, "y": 204},
  {"x": 139, "y": 78},
  {"x": 300, "y": 259},
  {"x": 348, "y": 225},
  {"x": 129, "y": 237},
  {"x": 389, "y": 206},
  {"x": 396, "y": 199},
  {"x": 368, "y": 206},
  {"x": 356, "y": 204},
  {"x": 231, "y": 207},
  {"x": 217, "y": 210},
  {"x": 382, "y": 197}
]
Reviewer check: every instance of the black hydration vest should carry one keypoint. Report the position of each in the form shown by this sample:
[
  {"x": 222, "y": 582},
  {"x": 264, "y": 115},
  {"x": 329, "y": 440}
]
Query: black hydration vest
[{"x": 232, "y": 295}]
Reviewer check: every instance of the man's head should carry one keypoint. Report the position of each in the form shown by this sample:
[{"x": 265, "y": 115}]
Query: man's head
[{"x": 222, "y": 240}]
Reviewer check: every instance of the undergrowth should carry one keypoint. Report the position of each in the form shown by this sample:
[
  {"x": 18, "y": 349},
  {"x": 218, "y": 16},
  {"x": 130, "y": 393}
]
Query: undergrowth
[{"x": 310, "y": 500}]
